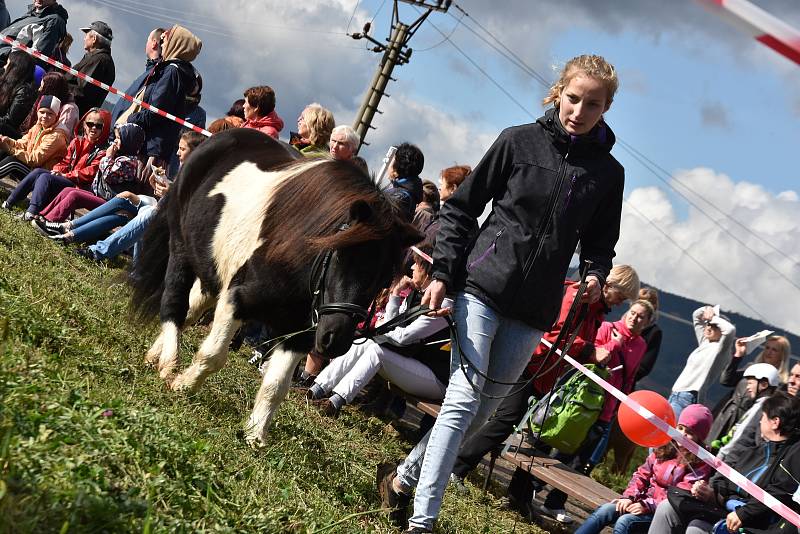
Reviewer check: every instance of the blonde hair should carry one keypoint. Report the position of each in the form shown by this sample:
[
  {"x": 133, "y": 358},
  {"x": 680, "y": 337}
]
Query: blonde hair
[
  {"x": 786, "y": 350},
  {"x": 626, "y": 279},
  {"x": 650, "y": 295},
  {"x": 646, "y": 305},
  {"x": 320, "y": 124},
  {"x": 589, "y": 65}
]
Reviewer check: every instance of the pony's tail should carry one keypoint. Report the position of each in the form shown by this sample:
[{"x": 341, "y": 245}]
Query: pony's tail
[{"x": 146, "y": 277}]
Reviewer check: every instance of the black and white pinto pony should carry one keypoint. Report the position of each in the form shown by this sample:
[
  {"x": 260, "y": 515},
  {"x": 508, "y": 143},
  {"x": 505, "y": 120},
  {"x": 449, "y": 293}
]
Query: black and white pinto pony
[{"x": 248, "y": 230}]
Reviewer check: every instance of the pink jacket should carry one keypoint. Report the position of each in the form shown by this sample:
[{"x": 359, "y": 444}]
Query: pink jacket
[
  {"x": 630, "y": 351},
  {"x": 270, "y": 124},
  {"x": 649, "y": 483}
]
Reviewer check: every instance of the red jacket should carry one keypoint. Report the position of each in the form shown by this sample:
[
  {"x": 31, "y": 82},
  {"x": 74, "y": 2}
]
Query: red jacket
[
  {"x": 649, "y": 483},
  {"x": 270, "y": 124},
  {"x": 83, "y": 157},
  {"x": 582, "y": 348}
]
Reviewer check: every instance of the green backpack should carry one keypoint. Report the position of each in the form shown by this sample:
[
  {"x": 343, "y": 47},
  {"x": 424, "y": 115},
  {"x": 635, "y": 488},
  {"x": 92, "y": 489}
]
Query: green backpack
[{"x": 574, "y": 408}]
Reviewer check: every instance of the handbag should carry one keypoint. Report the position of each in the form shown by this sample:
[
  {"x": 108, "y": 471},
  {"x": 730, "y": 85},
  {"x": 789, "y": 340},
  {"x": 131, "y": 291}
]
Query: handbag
[{"x": 690, "y": 508}]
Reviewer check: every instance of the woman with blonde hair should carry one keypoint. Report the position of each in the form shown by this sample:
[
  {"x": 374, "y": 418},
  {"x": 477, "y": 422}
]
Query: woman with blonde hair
[
  {"x": 551, "y": 184},
  {"x": 314, "y": 127},
  {"x": 731, "y": 408}
]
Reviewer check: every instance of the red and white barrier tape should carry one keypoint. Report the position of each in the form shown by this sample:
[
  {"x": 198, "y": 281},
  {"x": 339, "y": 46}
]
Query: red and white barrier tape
[
  {"x": 765, "y": 28},
  {"x": 726, "y": 470},
  {"x": 35, "y": 53}
]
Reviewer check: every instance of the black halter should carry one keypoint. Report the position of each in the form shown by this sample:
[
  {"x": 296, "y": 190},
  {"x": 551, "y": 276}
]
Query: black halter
[{"x": 318, "y": 279}]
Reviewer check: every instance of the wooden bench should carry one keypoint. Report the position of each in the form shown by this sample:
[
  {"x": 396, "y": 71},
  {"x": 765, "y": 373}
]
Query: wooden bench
[{"x": 553, "y": 472}]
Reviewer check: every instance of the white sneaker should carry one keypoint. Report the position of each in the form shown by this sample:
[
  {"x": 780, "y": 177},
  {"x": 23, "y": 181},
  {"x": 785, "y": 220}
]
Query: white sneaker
[{"x": 559, "y": 514}]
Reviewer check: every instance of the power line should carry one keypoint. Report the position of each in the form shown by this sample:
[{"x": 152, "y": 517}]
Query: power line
[
  {"x": 520, "y": 63},
  {"x": 446, "y": 38},
  {"x": 377, "y": 12},
  {"x": 353, "y": 14}
]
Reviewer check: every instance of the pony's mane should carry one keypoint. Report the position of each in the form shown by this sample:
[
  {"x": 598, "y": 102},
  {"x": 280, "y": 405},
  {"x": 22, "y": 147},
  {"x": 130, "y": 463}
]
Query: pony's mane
[{"x": 313, "y": 200}]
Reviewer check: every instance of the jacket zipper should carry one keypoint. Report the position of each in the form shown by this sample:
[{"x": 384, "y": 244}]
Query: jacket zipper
[
  {"x": 491, "y": 248},
  {"x": 545, "y": 224}
]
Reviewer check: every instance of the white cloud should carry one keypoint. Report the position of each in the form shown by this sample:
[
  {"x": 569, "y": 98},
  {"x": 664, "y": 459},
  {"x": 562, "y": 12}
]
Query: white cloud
[{"x": 774, "y": 219}]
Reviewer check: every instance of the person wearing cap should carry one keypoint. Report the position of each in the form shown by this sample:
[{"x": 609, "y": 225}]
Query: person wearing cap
[
  {"x": 668, "y": 465},
  {"x": 41, "y": 28},
  {"x": 97, "y": 63},
  {"x": 774, "y": 465},
  {"x": 762, "y": 381},
  {"x": 43, "y": 146},
  {"x": 152, "y": 50},
  {"x": 715, "y": 337}
]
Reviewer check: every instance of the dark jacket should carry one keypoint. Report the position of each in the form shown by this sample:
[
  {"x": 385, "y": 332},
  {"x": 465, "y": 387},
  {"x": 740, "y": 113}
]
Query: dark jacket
[
  {"x": 731, "y": 407},
  {"x": 17, "y": 111},
  {"x": 42, "y": 31},
  {"x": 98, "y": 64},
  {"x": 166, "y": 89},
  {"x": 122, "y": 104},
  {"x": 548, "y": 190},
  {"x": 652, "y": 337}
]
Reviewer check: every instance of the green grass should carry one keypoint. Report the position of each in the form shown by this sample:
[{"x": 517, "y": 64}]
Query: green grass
[{"x": 91, "y": 441}]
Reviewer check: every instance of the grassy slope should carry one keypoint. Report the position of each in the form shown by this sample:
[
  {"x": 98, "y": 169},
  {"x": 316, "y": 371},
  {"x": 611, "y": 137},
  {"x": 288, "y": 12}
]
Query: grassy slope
[{"x": 90, "y": 440}]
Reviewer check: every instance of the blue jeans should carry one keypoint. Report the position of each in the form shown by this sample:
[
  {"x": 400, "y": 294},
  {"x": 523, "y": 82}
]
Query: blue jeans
[
  {"x": 498, "y": 347},
  {"x": 101, "y": 220},
  {"x": 607, "y": 515},
  {"x": 126, "y": 237},
  {"x": 680, "y": 400},
  {"x": 45, "y": 187}
]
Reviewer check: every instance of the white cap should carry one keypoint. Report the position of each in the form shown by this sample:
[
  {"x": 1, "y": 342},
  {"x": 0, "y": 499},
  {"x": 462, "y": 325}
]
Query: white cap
[{"x": 763, "y": 371}]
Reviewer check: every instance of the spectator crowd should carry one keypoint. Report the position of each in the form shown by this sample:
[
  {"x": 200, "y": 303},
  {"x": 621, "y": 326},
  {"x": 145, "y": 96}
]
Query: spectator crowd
[{"x": 93, "y": 177}]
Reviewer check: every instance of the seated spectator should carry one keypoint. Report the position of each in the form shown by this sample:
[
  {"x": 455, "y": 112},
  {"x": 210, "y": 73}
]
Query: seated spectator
[
  {"x": 76, "y": 169},
  {"x": 731, "y": 408},
  {"x": 237, "y": 110},
  {"x": 449, "y": 180},
  {"x": 97, "y": 63},
  {"x": 773, "y": 465},
  {"x": 43, "y": 146},
  {"x": 411, "y": 357},
  {"x": 118, "y": 211},
  {"x": 314, "y": 127},
  {"x": 668, "y": 465},
  {"x": 116, "y": 173},
  {"x": 56, "y": 84},
  {"x": 17, "y": 95},
  {"x": 259, "y": 111},
  {"x": 761, "y": 382},
  {"x": 406, "y": 186},
  {"x": 429, "y": 207},
  {"x": 225, "y": 123},
  {"x": 344, "y": 143},
  {"x": 41, "y": 28},
  {"x": 715, "y": 336},
  {"x": 171, "y": 81}
]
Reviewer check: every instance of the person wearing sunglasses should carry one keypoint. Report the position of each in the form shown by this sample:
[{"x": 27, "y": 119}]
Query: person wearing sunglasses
[{"x": 76, "y": 169}]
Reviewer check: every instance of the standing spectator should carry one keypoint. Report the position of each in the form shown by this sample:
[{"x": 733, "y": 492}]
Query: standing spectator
[
  {"x": 237, "y": 110},
  {"x": 17, "y": 95},
  {"x": 731, "y": 408},
  {"x": 62, "y": 50},
  {"x": 97, "y": 63},
  {"x": 41, "y": 28},
  {"x": 43, "y": 146},
  {"x": 76, "y": 170},
  {"x": 406, "y": 186},
  {"x": 152, "y": 50},
  {"x": 314, "y": 127},
  {"x": 428, "y": 209},
  {"x": 56, "y": 84},
  {"x": 449, "y": 180},
  {"x": 508, "y": 278},
  {"x": 344, "y": 143},
  {"x": 259, "y": 111},
  {"x": 715, "y": 337},
  {"x": 168, "y": 85}
]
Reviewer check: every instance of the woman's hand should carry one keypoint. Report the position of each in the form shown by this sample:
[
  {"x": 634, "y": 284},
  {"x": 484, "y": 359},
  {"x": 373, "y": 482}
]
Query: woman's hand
[
  {"x": 433, "y": 298},
  {"x": 701, "y": 490},
  {"x": 401, "y": 285},
  {"x": 733, "y": 522},
  {"x": 636, "y": 508},
  {"x": 592, "y": 292},
  {"x": 130, "y": 197},
  {"x": 708, "y": 313},
  {"x": 113, "y": 148},
  {"x": 601, "y": 355},
  {"x": 741, "y": 348},
  {"x": 622, "y": 505}
]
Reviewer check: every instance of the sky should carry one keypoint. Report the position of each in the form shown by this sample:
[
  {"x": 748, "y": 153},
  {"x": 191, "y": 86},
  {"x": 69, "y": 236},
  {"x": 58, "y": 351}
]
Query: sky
[{"x": 707, "y": 119}]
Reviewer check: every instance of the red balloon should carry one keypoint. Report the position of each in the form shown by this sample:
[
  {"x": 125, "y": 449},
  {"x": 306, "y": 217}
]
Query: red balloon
[{"x": 637, "y": 428}]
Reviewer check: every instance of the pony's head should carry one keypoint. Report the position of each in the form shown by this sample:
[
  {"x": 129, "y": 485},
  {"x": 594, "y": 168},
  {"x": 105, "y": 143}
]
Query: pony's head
[{"x": 347, "y": 236}]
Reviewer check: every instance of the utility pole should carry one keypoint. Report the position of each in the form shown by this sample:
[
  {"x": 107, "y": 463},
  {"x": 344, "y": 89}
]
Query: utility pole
[{"x": 395, "y": 53}]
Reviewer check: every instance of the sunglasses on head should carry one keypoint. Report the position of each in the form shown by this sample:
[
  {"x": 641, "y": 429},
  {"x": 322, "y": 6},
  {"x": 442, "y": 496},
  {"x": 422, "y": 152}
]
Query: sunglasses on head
[{"x": 98, "y": 125}]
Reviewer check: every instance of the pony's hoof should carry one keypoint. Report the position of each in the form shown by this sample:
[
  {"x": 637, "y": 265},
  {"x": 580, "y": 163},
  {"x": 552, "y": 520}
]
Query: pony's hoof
[
  {"x": 166, "y": 373},
  {"x": 175, "y": 383},
  {"x": 254, "y": 441},
  {"x": 151, "y": 359}
]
